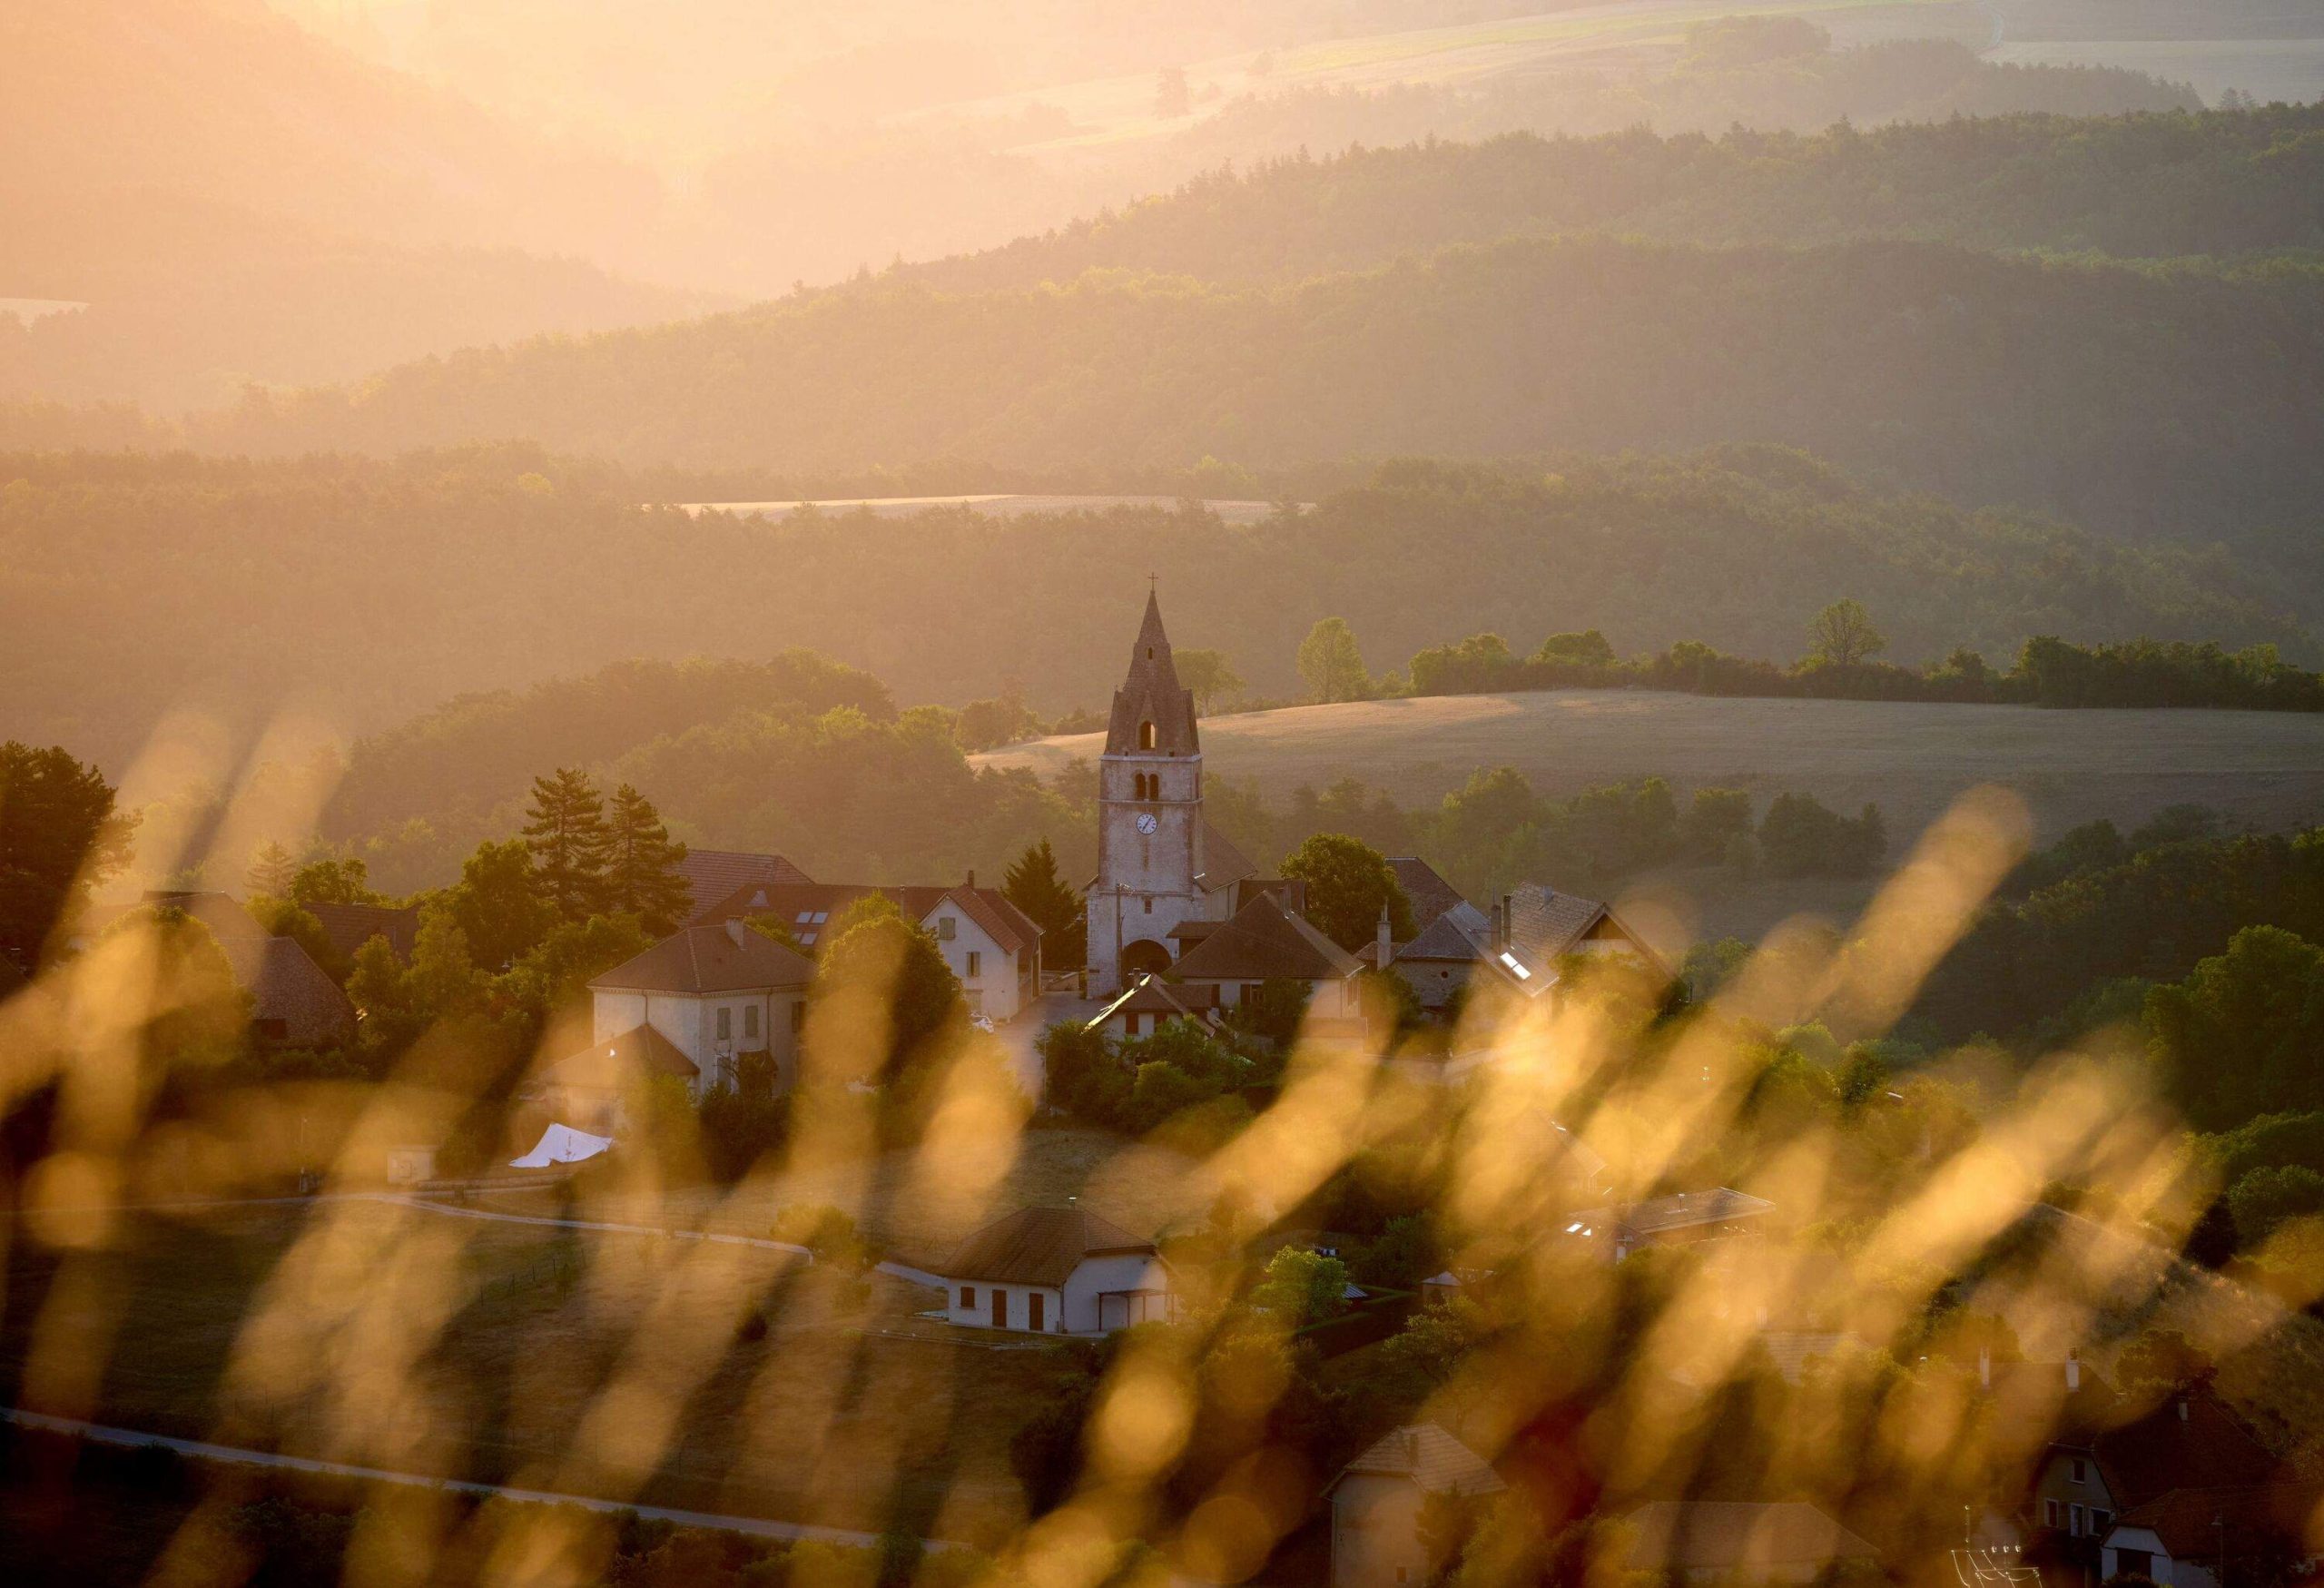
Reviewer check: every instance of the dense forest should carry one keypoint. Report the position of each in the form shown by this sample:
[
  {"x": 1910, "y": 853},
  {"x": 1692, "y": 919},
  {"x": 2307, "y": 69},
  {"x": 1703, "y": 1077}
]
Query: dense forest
[
  {"x": 2217, "y": 184},
  {"x": 366, "y": 592},
  {"x": 1978, "y": 376}
]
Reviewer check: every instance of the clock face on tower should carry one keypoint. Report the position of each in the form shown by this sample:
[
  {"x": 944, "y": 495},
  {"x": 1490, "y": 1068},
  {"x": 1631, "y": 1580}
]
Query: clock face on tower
[{"x": 1146, "y": 823}]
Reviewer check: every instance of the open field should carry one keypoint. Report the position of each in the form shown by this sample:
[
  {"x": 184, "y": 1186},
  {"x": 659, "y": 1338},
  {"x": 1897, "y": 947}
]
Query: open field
[
  {"x": 2260, "y": 770},
  {"x": 818, "y": 1421}
]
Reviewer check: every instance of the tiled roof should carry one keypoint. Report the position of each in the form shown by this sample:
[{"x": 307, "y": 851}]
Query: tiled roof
[
  {"x": 1224, "y": 864},
  {"x": 640, "y": 1049},
  {"x": 1459, "y": 933},
  {"x": 1742, "y": 1536},
  {"x": 2187, "y": 1520},
  {"x": 350, "y": 926},
  {"x": 797, "y": 906},
  {"x": 282, "y": 978},
  {"x": 1544, "y": 923},
  {"x": 710, "y": 874},
  {"x": 1151, "y": 693},
  {"x": 1150, "y": 994},
  {"x": 1264, "y": 942},
  {"x": 1038, "y": 1245},
  {"x": 710, "y": 959},
  {"x": 1291, "y": 891},
  {"x": 1432, "y": 1458},
  {"x": 2187, "y": 1438},
  {"x": 1428, "y": 892}
]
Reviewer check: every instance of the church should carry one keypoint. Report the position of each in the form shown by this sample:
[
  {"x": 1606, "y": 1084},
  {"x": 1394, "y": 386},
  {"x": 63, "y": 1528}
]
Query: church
[{"x": 1160, "y": 863}]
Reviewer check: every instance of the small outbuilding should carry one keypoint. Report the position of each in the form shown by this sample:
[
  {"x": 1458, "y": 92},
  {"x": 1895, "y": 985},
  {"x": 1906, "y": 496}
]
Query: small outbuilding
[
  {"x": 1056, "y": 1271},
  {"x": 1378, "y": 1498}
]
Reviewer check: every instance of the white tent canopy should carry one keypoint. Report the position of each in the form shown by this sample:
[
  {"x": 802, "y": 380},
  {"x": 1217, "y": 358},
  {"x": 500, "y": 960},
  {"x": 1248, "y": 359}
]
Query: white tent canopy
[{"x": 562, "y": 1144}]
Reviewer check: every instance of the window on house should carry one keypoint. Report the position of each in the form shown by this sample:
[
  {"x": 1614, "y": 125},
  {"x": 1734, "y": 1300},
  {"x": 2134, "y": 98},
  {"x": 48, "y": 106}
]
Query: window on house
[
  {"x": 967, "y": 1297},
  {"x": 945, "y": 928},
  {"x": 725, "y": 1025},
  {"x": 1145, "y": 736},
  {"x": 1033, "y": 1303},
  {"x": 2049, "y": 1512},
  {"x": 2080, "y": 1470},
  {"x": 1149, "y": 905},
  {"x": 2073, "y": 1520},
  {"x": 751, "y": 1020},
  {"x": 804, "y": 917},
  {"x": 821, "y": 916},
  {"x": 976, "y": 962},
  {"x": 2099, "y": 1521}
]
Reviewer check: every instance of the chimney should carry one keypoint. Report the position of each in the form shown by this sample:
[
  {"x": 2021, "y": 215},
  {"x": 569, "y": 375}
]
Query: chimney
[
  {"x": 972, "y": 876},
  {"x": 1508, "y": 921},
  {"x": 1985, "y": 1366},
  {"x": 1386, "y": 949},
  {"x": 735, "y": 930},
  {"x": 2073, "y": 1371}
]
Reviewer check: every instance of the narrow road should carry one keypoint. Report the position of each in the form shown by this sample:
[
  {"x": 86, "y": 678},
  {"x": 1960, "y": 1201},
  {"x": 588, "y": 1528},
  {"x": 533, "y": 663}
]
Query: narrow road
[{"x": 756, "y": 1527}]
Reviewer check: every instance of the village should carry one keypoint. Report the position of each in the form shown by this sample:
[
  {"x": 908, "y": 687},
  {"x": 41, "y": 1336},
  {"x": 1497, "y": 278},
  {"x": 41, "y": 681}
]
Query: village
[{"x": 1477, "y": 1022}]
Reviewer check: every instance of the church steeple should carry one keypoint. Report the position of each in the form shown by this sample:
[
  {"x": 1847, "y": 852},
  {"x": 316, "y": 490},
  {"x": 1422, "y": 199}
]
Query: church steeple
[{"x": 1153, "y": 713}]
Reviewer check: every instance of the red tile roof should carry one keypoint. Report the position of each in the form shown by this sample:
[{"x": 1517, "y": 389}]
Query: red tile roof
[{"x": 710, "y": 959}]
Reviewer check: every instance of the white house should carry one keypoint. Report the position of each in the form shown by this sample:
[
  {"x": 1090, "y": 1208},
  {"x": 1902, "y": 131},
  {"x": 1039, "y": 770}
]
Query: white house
[
  {"x": 1376, "y": 1503},
  {"x": 992, "y": 947},
  {"x": 1148, "y": 1001},
  {"x": 710, "y": 995},
  {"x": 2178, "y": 1538},
  {"x": 1055, "y": 1271}
]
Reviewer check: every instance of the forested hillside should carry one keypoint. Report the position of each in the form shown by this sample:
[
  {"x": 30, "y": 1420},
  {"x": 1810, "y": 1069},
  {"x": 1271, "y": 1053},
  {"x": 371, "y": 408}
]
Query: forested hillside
[
  {"x": 365, "y": 592},
  {"x": 2142, "y": 186},
  {"x": 1980, "y": 378}
]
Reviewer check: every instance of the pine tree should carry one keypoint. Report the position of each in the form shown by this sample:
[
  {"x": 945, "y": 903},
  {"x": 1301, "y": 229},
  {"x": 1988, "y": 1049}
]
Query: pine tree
[
  {"x": 565, "y": 830},
  {"x": 641, "y": 875},
  {"x": 272, "y": 869},
  {"x": 1033, "y": 885}
]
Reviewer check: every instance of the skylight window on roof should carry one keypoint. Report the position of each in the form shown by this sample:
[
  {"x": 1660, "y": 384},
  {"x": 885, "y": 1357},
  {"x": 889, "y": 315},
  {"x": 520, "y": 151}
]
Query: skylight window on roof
[
  {"x": 1516, "y": 970},
  {"x": 806, "y": 939},
  {"x": 821, "y": 916},
  {"x": 804, "y": 917}
]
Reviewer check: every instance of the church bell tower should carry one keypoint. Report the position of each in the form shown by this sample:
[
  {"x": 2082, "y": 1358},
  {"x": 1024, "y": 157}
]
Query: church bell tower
[{"x": 1150, "y": 817}]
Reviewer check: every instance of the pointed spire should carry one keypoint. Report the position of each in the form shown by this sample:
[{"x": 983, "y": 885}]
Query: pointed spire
[
  {"x": 1153, "y": 713},
  {"x": 1152, "y": 642}
]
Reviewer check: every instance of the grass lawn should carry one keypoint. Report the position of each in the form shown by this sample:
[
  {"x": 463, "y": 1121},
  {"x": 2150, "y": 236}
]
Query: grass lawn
[{"x": 820, "y": 1419}]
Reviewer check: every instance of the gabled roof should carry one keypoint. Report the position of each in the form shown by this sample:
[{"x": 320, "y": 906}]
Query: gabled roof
[
  {"x": 1039, "y": 1245},
  {"x": 710, "y": 959},
  {"x": 1730, "y": 1535},
  {"x": 798, "y": 904},
  {"x": 350, "y": 926},
  {"x": 2187, "y": 1520},
  {"x": 1291, "y": 891},
  {"x": 2188, "y": 1439},
  {"x": 1544, "y": 923},
  {"x": 1265, "y": 940},
  {"x": 710, "y": 874},
  {"x": 1427, "y": 891},
  {"x": 1151, "y": 693},
  {"x": 1459, "y": 934},
  {"x": 1150, "y": 994},
  {"x": 1224, "y": 864},
  {"x": 282, "y": 978},
  {"x": 1430, "y": 1457},
  {"x": 639, "y": 1051}
]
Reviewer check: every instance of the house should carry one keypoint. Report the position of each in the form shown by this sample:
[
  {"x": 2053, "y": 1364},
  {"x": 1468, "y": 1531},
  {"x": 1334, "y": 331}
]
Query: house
[
  {"x": 713, "y": 875},
  {"x": 1378, "y": 1499},
  {"x": 350, "y": 926},
  {"x": 993, "y": 948},
  {"x": 1266, "y": 941},
  {"x": 294, "y": 1003},
  {"x": 1055, "y": 1270},
  {"x": 1681, "y": 1219},
  {"x": 2104, "y": 1463},
  {"x": 715, "y": 994},
  {"x": 1514, "y": 949},
  {"x": 592, "y": 1090},
  {"x": 2209, "y": 1537},
  {"x": 1742, "y": 1541},
  {"x": 1149, "y": 1001}
]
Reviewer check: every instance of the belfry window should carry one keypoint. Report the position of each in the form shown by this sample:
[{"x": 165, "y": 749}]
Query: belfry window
[{"x": 1145, "y": 736}]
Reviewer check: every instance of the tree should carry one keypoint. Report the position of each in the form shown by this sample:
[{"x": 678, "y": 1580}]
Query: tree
[
  {"x": 1715, "y": 819},
  {"x": 642, "y": 877},
  {"x": 195, "y": 1012},
  {"x": 1330, "y": 664},
  {"x": 1210, "y": 676},
  {"x": 59, "y": 836},
  {"x": 2236, "y": 1039},
  {"x": 1348, "y": 884},
  {"x": 888, "y": 976},
  {"x": 284, "y": 918},
  {"x": 1801, "y": 836},
  {"x": 1842, "y": 635},
  {"x": 272, "y": 869},
  {"x": 2267, "y": 1197},
  {"x": 334, "y": 879},
  {"x": 443, "y": 980},
  {"x": 499, "y": 904},
  {"x": 565, "y": 831},
  {"x": 1172, "y": 98},
  {"x": 1033, "y": 885},
  {"x": 1302, "y": 1286}
]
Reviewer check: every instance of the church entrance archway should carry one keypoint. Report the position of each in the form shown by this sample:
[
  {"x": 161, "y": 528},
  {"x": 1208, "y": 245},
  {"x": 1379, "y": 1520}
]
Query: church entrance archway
[{"x": 1143, "y": 957}]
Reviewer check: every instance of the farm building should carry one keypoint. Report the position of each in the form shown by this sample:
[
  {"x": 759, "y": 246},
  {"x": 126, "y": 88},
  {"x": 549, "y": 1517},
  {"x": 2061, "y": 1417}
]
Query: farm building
[{"x": 1055, "y": 1270}]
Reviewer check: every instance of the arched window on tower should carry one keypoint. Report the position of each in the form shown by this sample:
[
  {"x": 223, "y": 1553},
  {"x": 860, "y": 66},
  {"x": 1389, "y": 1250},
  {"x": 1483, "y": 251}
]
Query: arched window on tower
[{"x": 1145, "y": 736}]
